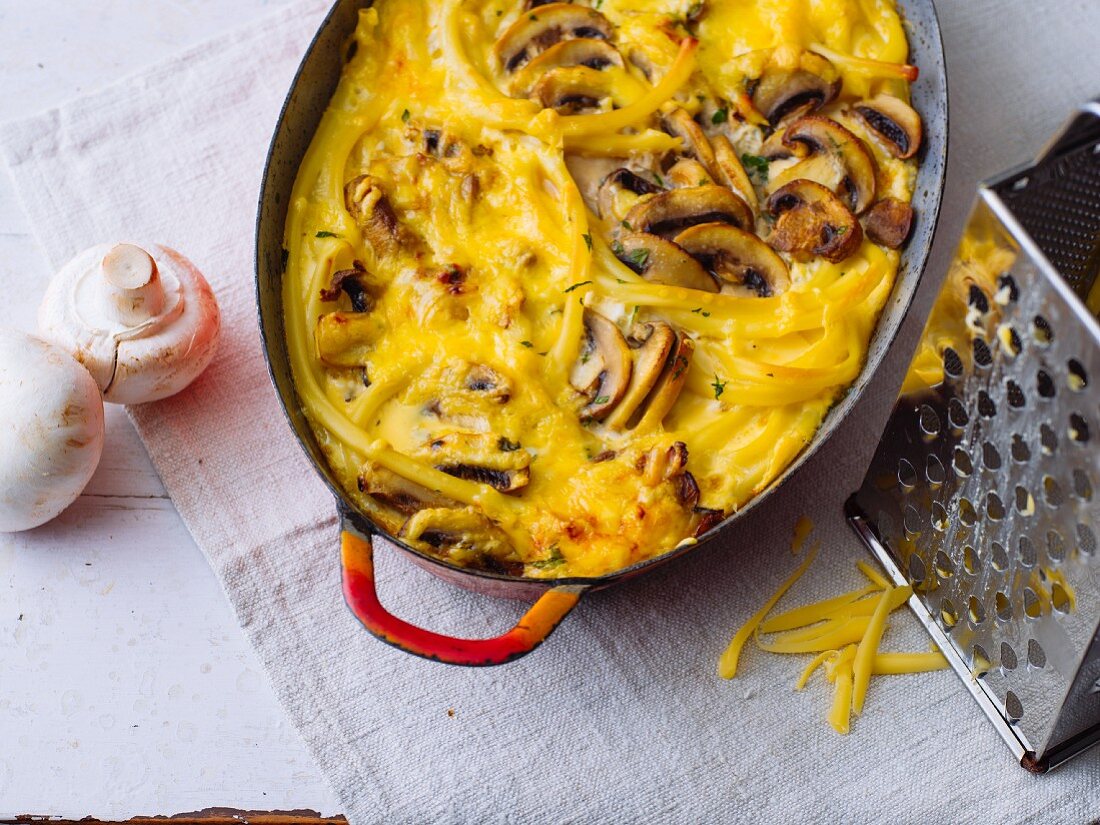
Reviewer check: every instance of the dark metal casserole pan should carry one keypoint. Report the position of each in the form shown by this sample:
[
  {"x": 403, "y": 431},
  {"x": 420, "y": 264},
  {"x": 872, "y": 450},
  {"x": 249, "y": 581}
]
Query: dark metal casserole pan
[{"x": 306, "y": 101}]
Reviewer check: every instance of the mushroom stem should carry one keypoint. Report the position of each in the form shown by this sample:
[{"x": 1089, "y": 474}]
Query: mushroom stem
[{"x": 134, "y": 292}]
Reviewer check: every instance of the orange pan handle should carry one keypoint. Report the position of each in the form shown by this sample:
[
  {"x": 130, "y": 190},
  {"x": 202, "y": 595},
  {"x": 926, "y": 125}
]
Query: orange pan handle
[{"x": 357, "y": 561}]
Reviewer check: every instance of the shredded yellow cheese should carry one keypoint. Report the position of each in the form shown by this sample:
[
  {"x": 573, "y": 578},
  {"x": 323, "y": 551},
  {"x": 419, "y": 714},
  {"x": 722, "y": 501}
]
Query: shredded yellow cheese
[
  {"x": 840, "y": 713},
  {"x": 868, "y": 645},
  {"x": 802, "y": 529},
  {"x": 727, "y": 663},
  {"x": 844, "y": 632}
]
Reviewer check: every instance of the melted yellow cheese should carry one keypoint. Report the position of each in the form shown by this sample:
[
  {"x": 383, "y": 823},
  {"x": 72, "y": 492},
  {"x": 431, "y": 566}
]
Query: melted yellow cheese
[{"x": 509, "y": 257}]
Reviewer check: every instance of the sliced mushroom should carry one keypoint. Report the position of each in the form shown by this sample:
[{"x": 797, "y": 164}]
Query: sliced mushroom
[
  {"x": 704, "y": 518},
  {"x": 688, "y": 172},
  {"x": 889, "y": 222},
  {"x": 603, "y": 370},
  {"x": 782, "y": 89},
  {"x": 507, "y": 481},
  {"x": 397, "y": 492},
  {"x": 545, "y": 26},
  {"x": 681, "y": 124},
  {"x": 657, "y": 464},
  {"x": 811, "y": 220},
  {"x": 372, "y": 211},
  {"x": 476, "y": 456},
  {"x": 618, "y": 192},
  {"x": 743, "y": 263},
  {"x": 582, "y": 51},
  {"x": 894, "y": 121},
  {"x": 467, "y": 531},
  {"x": 662, "y": 262},
  {"x": 824, "y": 168},
  {"x": 670, "y": 212},
  {"x": 485, "y": 380},
  {"x": 731, "y": 173},
  {"x": 571, "y": 89},
  {"x": 827, "y": 137},
  {"x": 652, "y": 343},
  {"x": 350, "y": 282},
  {"x": 669, "y": 385},
  {"x": 344, "y": 339}
]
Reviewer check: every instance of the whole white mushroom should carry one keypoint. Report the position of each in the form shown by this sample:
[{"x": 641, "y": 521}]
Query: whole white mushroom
[
  {"x": 51, "y": 430},
  {"x": 144, "y": 323}
]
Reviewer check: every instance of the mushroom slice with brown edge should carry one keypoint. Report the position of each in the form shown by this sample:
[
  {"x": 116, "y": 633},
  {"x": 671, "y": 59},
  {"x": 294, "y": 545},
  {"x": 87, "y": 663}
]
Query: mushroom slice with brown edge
[
  {"x": 652, "y": 343},
  {"x": 349, "y": 282},
  {"x": 743, "y": 263},
  {"x": 811, "y": 220},
  {"x": 481, "y": 378},
  {"x": 479, "y": 457},
  {"x": 670, "y": 212},
  {"x": 582, "y": 51},
  {"x": 477, "y": 539},
  {"x": 704, "y": 518},
  {"x": 374, "y": 215},
  {"x": 544, "y": 26},
  {"x": 397, "y": 492},
  {"x": 688, "y": 172},
  {"x": 827, "y": 137},
  {"x": 888, "y": 222},
  {"x": 571, "y": 89},
  {"x": 731, "y": 173},
  {"x": 680, "y": 124},
  {"x": 669, "y": 385},
  {"x": 662, "y": 262},
  {"x": 506, "y": 481},
  {"x": 616, "y": 187},
  {"x": 603, "y": 369},
  {"x": 894, "y": 121},
  {"x": 783, "y": 89}
]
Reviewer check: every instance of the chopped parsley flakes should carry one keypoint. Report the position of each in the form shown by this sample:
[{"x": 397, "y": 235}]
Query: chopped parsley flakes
[{"x": 719, "y": 387}]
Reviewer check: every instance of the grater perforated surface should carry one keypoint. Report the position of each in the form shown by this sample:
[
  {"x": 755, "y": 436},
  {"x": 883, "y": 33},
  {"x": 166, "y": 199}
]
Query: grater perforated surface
[{"x": 985, "y": 488}]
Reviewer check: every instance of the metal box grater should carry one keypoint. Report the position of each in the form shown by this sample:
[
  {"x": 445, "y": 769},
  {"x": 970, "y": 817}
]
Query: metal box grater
[{"x": 985, "y": 487}]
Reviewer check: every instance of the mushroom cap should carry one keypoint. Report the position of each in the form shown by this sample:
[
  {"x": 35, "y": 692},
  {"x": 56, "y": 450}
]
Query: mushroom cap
[
  {"x": 821, "y": 135},
  {"x": 744, "y": 263},
  {"x": 670, "y": 212},
  {"x": 669, "y": 385},
  {"x": 731, "y": 172},
  {"x": 687, "y": 172},
  {"x": 133, "y": 363},
  {"x": 894, "y": 121},
  {"x": 613, "y": 187},
  {"x": 679, "y": 123},
  {"x": 889, "y": 222},
  {"x": 663, "y": 262},
  {"x": 52, "y": 437},
  {"x": 653, "y": 343},
  {"x": 571, "y": 89},
  {"x": 602, "y": 372},
  {"x": 589, "y": 52},
  {"x": 811, "y": 220},
  {"x": 544, "y": 26},
  {"x": 813, "y": 82}
]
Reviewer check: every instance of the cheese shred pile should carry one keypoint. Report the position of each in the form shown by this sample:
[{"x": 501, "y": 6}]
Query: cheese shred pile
[{"x": 844, "y": 632}]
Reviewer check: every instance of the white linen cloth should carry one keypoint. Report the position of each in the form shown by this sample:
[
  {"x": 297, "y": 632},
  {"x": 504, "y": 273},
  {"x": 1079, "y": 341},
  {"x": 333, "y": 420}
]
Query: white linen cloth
[{"x": 619, "y": 717}]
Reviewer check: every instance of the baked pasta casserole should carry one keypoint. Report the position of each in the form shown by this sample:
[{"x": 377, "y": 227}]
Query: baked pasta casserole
[{"x": 568, "y": 283}]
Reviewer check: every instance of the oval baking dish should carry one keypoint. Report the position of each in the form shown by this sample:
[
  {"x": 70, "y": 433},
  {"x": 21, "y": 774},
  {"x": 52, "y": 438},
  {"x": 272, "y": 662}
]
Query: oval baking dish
[{"x": 307, "y": 100}]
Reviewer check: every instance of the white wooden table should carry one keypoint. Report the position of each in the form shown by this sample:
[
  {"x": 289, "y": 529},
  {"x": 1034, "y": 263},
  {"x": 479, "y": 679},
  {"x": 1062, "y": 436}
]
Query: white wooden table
[{"x": 126, "y": 686}]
